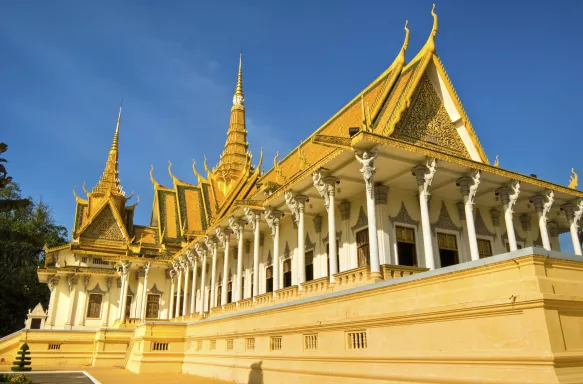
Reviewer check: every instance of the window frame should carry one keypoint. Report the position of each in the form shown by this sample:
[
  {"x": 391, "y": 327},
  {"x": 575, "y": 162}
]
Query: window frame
[
  {"x": 87, "y": 316},
  {"x": 456, "y": 234},
  {"x": 485, "y": 238},
  {"x": 396, "y": 242},
  {"x": 356, "y": 232}
]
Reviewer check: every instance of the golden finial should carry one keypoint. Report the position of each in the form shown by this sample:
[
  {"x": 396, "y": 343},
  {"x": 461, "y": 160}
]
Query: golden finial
[
  {"x": 206, "y": 168},
  {"x": 401, "y": 56},
  {"x": 573, "y": 180},
  {"x": 496, "y": 162},
  {"x": 198, "y": 175},
  {"x": 114, "y": 144},
  {"x": 431, "y": 41},
  {"x": 152, "y": 176},
  {"x": 85, "y": 190},
  {"x": 365, "y": 115},
  {"x": 170, "y": 169},
  {"x": 260, "y": 159},
  {"x": 238, "y": 98},
  {"x": 275, "y": 159}
]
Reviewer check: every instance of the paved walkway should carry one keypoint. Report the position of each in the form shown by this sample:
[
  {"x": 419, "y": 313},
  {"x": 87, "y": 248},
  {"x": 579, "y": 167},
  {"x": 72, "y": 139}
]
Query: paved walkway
[{"x": 74, "y": 375}]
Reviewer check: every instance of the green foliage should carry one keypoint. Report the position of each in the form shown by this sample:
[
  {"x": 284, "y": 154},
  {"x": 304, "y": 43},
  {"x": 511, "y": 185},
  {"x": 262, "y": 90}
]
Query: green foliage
[
  {"x": 14, "y": 203},
  {"x": 23, "y": 233},
  {"x": 22, "y": 360},
  {"x": 14, "y": 379}
]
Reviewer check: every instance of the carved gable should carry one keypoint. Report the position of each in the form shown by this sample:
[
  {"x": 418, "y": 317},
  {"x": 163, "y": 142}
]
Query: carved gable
[
  {"x": 426, "y": 122},
  {"x": 104, "y": 227}
]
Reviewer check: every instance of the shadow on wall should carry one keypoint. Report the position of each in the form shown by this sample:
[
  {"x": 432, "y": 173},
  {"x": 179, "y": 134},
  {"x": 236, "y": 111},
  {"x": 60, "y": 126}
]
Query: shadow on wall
[{"x": 256, "y": 374}]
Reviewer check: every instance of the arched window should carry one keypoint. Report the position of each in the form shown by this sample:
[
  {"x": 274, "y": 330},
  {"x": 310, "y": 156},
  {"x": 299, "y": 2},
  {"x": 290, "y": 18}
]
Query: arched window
[
  {"x": 269, "y": 279},
  {"x": 287, "y": 273}
]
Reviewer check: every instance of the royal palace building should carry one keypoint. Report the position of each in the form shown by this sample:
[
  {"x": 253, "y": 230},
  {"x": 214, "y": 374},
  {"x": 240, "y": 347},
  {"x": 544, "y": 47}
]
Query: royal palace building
[{"x": 386, "y": 247}]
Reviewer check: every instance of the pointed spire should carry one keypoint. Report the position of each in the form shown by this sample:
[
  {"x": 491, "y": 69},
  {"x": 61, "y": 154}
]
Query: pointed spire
[
  {"x": 109, "y": 182},
  {"x": 430, "y": 45},
  {"x": 238, "y": 98},
  {"x": 401, "y": 57}
]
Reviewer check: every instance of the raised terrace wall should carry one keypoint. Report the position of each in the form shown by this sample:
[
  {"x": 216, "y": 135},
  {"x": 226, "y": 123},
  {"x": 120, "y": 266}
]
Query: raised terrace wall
[
  {"x": 59, "y": 348},
  {"x": 512, "y": 318}
]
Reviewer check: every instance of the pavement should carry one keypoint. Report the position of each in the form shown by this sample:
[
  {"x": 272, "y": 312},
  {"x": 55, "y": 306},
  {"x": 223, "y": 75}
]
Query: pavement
[{"x": 110, "y": 376}]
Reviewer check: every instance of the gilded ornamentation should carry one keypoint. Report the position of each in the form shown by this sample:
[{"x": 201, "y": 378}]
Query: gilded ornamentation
[
  {"x": 308, "y": 242},
  {"x": 573, "y": 179},
  {"x": 480, "y": 226},
  {"x": 444, "y": 221},
  {"x": 104, "y": 226},
  {"x": 362, "y": 220},
  {"x": 426, "y": 123},
  {"x": 497, "y": 162},
  {"x": 321, "y": 187},
  {"x": 279, "y": 176},
  {"x": 403, "y": 217},
  {"x": 286, "y": 251},
  {"x": 367, "y": 162},
  {"x": 304, "y": 164}
]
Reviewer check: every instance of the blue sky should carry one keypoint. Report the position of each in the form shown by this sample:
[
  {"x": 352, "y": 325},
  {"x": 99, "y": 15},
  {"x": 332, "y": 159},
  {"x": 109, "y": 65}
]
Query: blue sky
[{"x": 67, "y": 64}]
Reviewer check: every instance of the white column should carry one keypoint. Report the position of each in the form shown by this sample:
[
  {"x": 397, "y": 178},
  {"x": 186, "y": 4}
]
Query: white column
[
  {"x": 194, "y": 262},
  {"x": 468, "y": 187},
  {"x": 297, "y": 206},
  {"x": 573, "y": 211},
  {"x": 212, "y": 245},
  {"x": 225, "y": 235},
  {"x": 368, "y": 170},
  {"x": 508, "y": 196},
  {"x": 253, "y": 217},
  {"x": 81, "y": 312},
  {"x": 326, "y": 186},
  {"x": 144, "y": 299},
  {"x": 383, "y": 225},
  {"x": 178, "y": 287},
  {"x": 53, "y": 283},
  {"x": 237, "y": 227},
  {"x": 186, "y": 267},
  {"x": 126, "y": 273},
  {"x": 106, "y": 302},
  {"x": 202, "y": 253},
  {"x": 543, "y": 205},
  {"x": 424, "y": 175},
  {"x": 272, "y": 217},
  {"x": 72, "y": 282},
  {"x": 171, "y": 305}
]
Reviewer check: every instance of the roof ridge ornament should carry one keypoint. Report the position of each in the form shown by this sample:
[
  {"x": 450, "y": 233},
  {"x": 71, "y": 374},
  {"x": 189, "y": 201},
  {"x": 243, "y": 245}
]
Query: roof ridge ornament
[
  {"x": 573, "y": 179},
  {"x": 401, "y": 56},
  {"x": 430, "y": 45}
]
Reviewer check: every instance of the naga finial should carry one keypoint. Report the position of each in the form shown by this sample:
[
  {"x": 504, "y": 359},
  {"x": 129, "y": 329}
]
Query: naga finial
[
  {"x": 573, "y": 179},
  {"x": 85, "y": 190},
  {"x": 406, "y": 42},
  {"x": 260, "y": 159},
  {"x": 152, "y": 175},
  {"x": 206, "y": 168},
  {"x": 275, "y": 159},
  {"x": 431, "y": 41},
  {"x": 496, "y": 162}
]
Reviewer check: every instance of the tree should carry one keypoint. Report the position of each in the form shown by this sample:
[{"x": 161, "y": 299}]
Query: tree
[
  {"x": 22, "y": 360},
  {"x": 5, "y": 180},
  {"x": 23, "y": 233}
]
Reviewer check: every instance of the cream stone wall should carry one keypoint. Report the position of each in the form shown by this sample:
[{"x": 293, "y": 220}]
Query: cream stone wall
[{"x": 506, "y": 319}]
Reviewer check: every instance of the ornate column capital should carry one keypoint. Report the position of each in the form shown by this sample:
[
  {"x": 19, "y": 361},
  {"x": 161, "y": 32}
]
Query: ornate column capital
[
  {"x": 252, "y": 216},
  {"x": 424, "y": 174},
  {"x": 543, "y": 204},
  {"x": 223, "y": 235},
  {"x": 573, "y": 210},
  {"x": 366, "y": 160},
  {"x": 237, "y": 226},
  {"x": 125, "y": 267},
  {"x": 325, "y": 185},
  {"x": 72, "y": 282},
  {"x": 53, "y": 281},
  {"x": 200, "y": 250},
  {"x": 296, "y": 204},
  {"x": 272, "y": 217},
  {"x": 469, "y": 185},
  {"x": 211, "y": 244},
  {"x": 509, "y": 194}
]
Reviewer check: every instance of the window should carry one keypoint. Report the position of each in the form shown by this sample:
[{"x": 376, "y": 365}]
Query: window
[
  {"x": 35, "y": 323},
  {"x": 251, "y": 291},
  {"x": 84, "y": 259},
  {"x": 484, "y": 248},
  {"x": 356, "y": 340},
  {"x": 176, "y": 303},
  {"x": 447, "y": 249},
  {"x": 213, "y": 345},
  {"x": 152, "y": 306},
  {"x": 250, "y": 344},
  {"x": 230, "y": 345},
  {"x": 94, "y": 306},
  {"x": 159, "y": 346},
  {"x": 275, "y": 344},
  {"x": 362, "y": 248},
  {"x": 199, "y": 345},
  {"x": 337, "y": 257},
  {"x": 406, "y": 250},
  {"x": 310, "y": 265},
  {"x": 229, "y": 292},
  {"x": 310, "y": 342},
  {"x": 54, "y": 347},
  {"x": 242, "y": 287},
  {"x": 99, "y": 261},
  {"x": 219, "y": 295},
  {"x": 128, "y": 306},
  {"x": 287, "y": 273},
  {"x": 269, "y": 279},
  {"x": 518, "y": 246}
]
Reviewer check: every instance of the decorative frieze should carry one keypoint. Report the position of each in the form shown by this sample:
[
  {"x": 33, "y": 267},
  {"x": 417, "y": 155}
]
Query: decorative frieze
[
  {"x": 362, "y": 220},
  {"x": 480, "y": 225},
  {"x": 444, "y": 221},
  {"x": 403, "y": 217}
]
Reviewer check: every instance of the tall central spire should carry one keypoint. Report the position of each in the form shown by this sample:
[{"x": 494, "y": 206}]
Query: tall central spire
[
  {"x": 109, "y": 181},
  {"x": 238, "y": 98},
  {"x": 235, "y": 157}
]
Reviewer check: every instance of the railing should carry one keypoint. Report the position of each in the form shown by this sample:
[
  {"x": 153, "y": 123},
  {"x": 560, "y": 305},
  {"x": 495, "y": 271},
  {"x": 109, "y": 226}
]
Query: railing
[
  {"x": 352, "y": 277},
  {"x": 316, "y": 287},
  {"x": 230, "y": 307},
  {"x": 391, "y": 272},
  {"x": 287, "y": 293},
  {"x": 245, "y": 303},
  {"x": 264, "y": 299}
]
